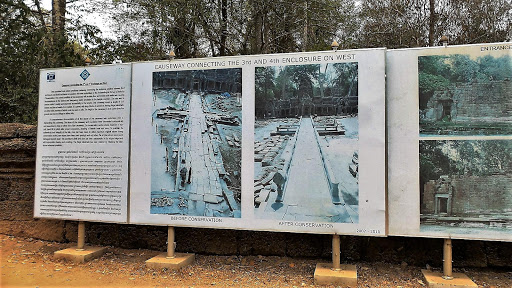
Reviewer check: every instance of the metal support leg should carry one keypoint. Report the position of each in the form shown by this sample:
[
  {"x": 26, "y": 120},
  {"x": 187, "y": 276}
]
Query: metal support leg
[
  {"x": 170, "y": 242},
  {"x": 81, "y": 236},
  {"x": 336, "y": 253},
  {"x": 447, "y": 259}
]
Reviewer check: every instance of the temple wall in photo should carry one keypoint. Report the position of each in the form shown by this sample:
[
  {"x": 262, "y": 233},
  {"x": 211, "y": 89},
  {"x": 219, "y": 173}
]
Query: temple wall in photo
[
  {"x": 465, "y": 101},
  {"x": 468, "y": 196},
  {"x": 210, "y": 81}
]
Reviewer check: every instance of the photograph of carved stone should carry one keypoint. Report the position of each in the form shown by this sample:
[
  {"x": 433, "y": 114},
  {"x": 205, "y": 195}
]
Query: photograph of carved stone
[
  {"x": 466, "y": 185},
  {"x": 460, "y": 95},
  {"x": 306, "y": 143},
  {"x": 196, "y": 144}
]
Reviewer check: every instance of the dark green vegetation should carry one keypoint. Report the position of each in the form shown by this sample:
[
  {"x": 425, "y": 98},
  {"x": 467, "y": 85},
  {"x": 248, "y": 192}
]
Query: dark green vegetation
[
  {"x": 28, "y": 43},
  {"x": 441, "y": 72},
  {"x": 305, "y": 81},
  {"x": 32, "y": 38},
  {"x": 464, "y": 157}
]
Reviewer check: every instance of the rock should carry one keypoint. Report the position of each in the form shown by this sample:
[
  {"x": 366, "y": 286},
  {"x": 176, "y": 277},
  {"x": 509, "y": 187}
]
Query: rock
[{"x": 403, "y": 265}]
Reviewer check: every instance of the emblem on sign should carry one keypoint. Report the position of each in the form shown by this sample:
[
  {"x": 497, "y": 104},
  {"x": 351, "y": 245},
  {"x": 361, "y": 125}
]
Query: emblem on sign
[
  {"x": 85, "y": 74},
  {"x": 50, "y": 77}
]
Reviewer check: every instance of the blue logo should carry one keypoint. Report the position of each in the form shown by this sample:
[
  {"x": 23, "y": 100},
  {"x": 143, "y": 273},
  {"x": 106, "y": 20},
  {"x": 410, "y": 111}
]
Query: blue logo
[
  {"x": 85, "y": 74},
  {"x": 50, "y": 77}
]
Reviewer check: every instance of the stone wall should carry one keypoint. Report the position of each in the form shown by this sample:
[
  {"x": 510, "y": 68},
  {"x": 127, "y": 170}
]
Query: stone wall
[
  {"x": 483, "y": 100},
  {"x": 473, "y": 100},
  {"x": 480, "y": 195},
  {"x": 472, "y": 195},
  {"x": 17, "y": 163},
  {"x": 17, "y": 169}
]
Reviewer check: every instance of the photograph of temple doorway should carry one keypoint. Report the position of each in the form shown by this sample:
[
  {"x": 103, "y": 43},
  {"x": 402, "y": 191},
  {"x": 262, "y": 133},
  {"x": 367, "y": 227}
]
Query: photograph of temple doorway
[
  {"x": 306, "y": 158},
  {"x": 466, "y": 185},
  {"x": 196, "y": 143},
  {"x": 464, "y": 95}
]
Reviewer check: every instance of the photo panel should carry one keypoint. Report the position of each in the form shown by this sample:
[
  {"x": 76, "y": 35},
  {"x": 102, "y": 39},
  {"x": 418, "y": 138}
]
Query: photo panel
[
  {"x": 318, "y": 154},
  {"x": 282, "y": 142},
  {"x": 466, "y": 184},
  {"x": 306, "y": 139},
  {"x": 451, "y": 112},
  {"x": 462, "y": 94},
  {"x": 196, "y": 147},
  {"x": 186, "y": 154}
]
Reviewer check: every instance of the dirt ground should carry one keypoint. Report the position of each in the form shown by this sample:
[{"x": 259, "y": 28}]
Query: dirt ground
[{"x": 30, "y": 263}]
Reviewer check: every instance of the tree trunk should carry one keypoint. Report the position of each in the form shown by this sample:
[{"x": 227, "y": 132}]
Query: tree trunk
[
  {"x": 59, "y": 39},
  {"x": 224, "y": 22},
  {"x": 58, "y": 16},
  {"x": 283, "y": 89},
  {"x": 321, "y": 80},
  {"x": 432, "y": 23},
  {"x": 305, "y": 44}
]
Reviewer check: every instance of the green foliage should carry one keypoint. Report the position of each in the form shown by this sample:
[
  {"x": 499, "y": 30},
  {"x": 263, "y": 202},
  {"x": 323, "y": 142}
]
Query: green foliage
[
  {"x": 418, "y": 23},
  {"x": 264, "y": 85},
  {"x": 347, "y": 78},
  {"x": 428, "y": 83},
  {"x": 196, "y": 28},
  {"x": 149, "y": 30},
  {"x": 27, "y": 45},
  {"x": 433, "y": 162},
  {"x": 463, "y": 69},
  {"x": 478, "y": 21},
  {"x": 464, "y": 157},
  {"x": 492, "y": 68},
  {"x": 304, "y": 82},
  {"x": 437, "y": 73},
  {"x": 302, "y": 77},
  {"x": 21, "y": 54},
  {"x": 125, "y": 49}
]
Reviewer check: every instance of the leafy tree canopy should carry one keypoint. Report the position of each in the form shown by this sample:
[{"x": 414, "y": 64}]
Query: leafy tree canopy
[
  {"x": 469, "y": 157},
  {"x": 32, "y": 38}
]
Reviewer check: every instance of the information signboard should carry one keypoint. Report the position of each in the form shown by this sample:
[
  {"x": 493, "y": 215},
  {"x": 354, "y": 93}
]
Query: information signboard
[
  {"x": 450, "y": 141},
  {"x": 283, "y": 142},
  {"x": 83, "y": 143}
]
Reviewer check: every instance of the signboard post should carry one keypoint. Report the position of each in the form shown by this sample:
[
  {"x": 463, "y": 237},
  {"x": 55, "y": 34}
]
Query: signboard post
[
  {"x": 447, "y": 259},
  {"x": 81, "y": 236},
  {"x": 171, "y": 259},
  {"x": 447, "y": 278},
  {"x": 81, "y": 253},
  {"x": 335, "y": 273}
]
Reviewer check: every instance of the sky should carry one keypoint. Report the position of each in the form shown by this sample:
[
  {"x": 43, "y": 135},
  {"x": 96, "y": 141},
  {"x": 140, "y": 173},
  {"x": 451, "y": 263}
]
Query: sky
[{"x": 91, "y": 18}]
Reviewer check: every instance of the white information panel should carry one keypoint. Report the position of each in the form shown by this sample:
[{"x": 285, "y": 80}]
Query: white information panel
[
  {"x": 284, "y": 142},
  {"x": 450, "y": 141},
  {"x": 83, "y": 143}
]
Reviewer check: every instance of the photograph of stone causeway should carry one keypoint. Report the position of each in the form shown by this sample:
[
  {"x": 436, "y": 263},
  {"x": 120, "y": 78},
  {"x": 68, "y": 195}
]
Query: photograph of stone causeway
[
  {"x": 466, "y": 185},
  {"x": 196, "y": 143},
  {"x": 459, "y": 95},
  {"x": 306, "y": 158}
]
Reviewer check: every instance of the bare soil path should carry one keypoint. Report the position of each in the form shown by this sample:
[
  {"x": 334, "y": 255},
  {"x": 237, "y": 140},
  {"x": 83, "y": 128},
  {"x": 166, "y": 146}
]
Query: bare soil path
[{"x": 30, "y": 263}]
